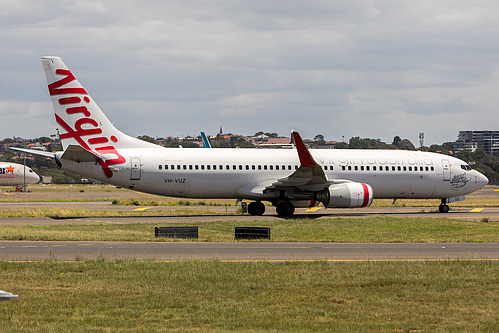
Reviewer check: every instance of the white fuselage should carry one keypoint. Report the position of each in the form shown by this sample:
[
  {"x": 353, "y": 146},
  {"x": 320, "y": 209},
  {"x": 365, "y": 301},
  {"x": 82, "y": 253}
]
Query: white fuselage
[
  {"x": 14, "y": 174},
  {"x": 244, "y": 173}
]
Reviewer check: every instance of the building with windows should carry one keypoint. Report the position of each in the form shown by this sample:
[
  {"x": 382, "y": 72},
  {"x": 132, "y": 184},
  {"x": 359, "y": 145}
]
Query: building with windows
[{"x": 471, "y": 140}]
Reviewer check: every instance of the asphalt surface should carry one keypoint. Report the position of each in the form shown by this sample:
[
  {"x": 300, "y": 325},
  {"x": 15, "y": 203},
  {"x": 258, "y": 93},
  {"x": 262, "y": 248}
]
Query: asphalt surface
[
  {"x": 244, "y": 251},
  {"x": 233, "y": 251},
  {"x": 490, "y": 213}
]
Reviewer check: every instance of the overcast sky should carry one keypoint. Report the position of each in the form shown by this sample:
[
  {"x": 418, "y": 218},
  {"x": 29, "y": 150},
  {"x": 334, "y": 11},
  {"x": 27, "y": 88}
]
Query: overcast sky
[{"x": 363, "y": 68}]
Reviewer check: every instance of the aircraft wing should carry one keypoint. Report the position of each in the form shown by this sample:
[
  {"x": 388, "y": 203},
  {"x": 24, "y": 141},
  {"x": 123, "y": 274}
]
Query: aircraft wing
[{"x": 308, "y": 177}]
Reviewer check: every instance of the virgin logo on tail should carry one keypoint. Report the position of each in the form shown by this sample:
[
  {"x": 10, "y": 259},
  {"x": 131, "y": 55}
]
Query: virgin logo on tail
[{"x": 73, "y": 107}]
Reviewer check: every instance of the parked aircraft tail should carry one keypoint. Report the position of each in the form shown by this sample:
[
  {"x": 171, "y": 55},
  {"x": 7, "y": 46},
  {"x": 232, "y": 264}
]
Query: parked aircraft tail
[{"x": 85, "y": 131}]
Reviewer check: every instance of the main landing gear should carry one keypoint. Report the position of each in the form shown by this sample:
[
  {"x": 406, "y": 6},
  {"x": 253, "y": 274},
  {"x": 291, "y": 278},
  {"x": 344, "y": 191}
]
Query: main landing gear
[
  {"x": 444, "y": 207},
  {"x": 285, "y": 208},
  {"x": 256, "y": 208}
]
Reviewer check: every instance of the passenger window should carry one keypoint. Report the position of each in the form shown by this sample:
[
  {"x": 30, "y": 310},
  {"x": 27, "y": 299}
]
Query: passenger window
[
  {"x": 240, "y": 167},
  {"x": 265, "y": 167},
  {"x": 247, "y": 167},
  {"x": 208, "y": 167},
  {"x": 289, "y": 167},
  {"x": 426, "y": 168},
  {"x": 190, "y": 167},
  {"x": 432, "y": 169},
  {"x": 374, "y": 168},
  {"x": 404, "y": 168},
  {"x": 361, "y": 168},
  {"x": 410, "y": 168},
  {"x": 253, "y": 167},
  {"x": 202, "y": 166},
  {"x": 233, "y": 167},
  {"x": 259, "y": 167},
  {"x": 196, "y": 167},
  {"x": 160, "y": 167},
  {"x": 349, "y": 168},
  {"x": 393, "y": 168}
]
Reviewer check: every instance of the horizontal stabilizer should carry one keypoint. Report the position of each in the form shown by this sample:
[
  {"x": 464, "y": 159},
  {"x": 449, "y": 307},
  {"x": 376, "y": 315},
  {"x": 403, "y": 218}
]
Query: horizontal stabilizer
[
  {"x": 35, "y": 152},
  {"x": 78, "y": 154}
]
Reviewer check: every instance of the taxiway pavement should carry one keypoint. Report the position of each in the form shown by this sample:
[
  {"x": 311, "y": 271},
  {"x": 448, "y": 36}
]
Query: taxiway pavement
[{"x": 245, "y": 251}]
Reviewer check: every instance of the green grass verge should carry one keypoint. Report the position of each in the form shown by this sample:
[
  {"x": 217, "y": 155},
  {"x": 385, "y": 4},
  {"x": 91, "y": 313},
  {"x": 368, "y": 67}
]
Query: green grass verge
[
  {"x": 82, "y": 212},
  {"x": 374, "y": 229},
  {"x": 196, "y": 296}
]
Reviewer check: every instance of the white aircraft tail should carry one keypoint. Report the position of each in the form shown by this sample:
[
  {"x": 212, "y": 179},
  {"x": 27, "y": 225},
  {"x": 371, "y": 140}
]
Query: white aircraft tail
[{"x": 81, "y": 120}]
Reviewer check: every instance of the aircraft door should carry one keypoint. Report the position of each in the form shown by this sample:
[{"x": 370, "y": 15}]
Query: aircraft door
[
  {"x": 135, "y": 168},
  {"x": 446, "y": 169}
]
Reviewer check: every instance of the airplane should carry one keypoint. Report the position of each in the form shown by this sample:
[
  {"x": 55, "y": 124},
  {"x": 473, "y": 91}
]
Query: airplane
[
  {"x": 287, "y": 178},
  {"x": 206, "y": 142},
  {"x": 6, "y": 296},
  {"x": 13, "y": 174}
]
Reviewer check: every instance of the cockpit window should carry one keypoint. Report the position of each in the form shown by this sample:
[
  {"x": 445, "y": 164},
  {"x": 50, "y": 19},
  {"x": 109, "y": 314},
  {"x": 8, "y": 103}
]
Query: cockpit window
[{"x": 465, "y": 167}]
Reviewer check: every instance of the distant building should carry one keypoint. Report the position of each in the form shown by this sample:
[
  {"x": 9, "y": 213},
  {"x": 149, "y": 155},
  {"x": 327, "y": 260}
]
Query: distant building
[
  {"x": 471, "y": 140},
  {"x": 277, "y": 143}
]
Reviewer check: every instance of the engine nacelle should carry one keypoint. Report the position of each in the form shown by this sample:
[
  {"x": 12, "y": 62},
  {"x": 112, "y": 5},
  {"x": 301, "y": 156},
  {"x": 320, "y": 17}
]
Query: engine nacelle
[{"x": 347, "y": 195}]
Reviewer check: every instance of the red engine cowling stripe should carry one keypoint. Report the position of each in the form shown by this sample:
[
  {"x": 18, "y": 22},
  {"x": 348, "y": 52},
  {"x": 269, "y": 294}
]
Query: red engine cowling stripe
[{"x": 366, "y": 195}]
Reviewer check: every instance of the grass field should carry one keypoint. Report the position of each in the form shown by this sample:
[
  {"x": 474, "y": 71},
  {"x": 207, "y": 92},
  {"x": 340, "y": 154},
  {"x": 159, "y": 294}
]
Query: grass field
[
  {"x": 192, "y": 296},
  {"x": 211, "y": 296},
  {"x": 376, "y": 229}
]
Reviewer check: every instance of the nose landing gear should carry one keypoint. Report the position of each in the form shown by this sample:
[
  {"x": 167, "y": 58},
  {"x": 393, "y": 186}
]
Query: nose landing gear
[{"x": 444, "y": 207}]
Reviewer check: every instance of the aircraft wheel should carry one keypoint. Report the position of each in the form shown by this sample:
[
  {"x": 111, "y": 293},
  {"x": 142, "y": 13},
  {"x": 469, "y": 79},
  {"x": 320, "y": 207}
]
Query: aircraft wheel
[
  {"x": 256, "y": 208},
  {"x": 285, "y": 209},
  {"x": 443, "y": 208}
]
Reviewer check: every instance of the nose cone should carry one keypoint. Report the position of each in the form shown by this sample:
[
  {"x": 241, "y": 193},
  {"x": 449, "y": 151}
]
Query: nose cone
[
  {"x": 482, "y": 180},
  {"x": 32, "y": 177}
]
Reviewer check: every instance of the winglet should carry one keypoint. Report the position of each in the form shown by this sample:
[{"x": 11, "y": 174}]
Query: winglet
[{"x": 305, "y": 158}]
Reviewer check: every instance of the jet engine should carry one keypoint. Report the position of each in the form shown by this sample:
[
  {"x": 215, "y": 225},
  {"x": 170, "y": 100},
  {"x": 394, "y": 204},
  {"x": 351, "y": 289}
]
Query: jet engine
[{"x": 346, "y": 195}]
